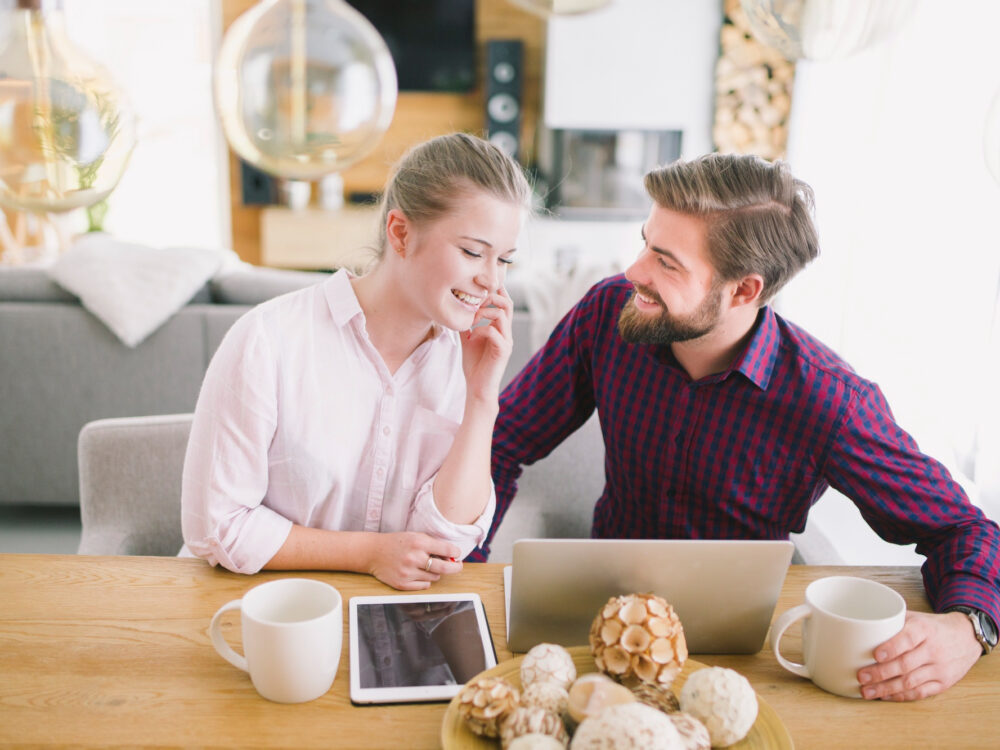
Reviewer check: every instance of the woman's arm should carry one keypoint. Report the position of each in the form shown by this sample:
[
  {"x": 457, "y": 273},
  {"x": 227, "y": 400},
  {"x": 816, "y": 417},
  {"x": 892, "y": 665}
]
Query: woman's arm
[
  {"x": 462, "y": 487},
  {"x": 398, "y": 559}
]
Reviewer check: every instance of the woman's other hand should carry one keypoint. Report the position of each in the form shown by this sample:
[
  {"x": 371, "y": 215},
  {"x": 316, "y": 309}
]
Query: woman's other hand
[
  {"x": 487, "y": 348},
  {"x": 412, "y": 561}
]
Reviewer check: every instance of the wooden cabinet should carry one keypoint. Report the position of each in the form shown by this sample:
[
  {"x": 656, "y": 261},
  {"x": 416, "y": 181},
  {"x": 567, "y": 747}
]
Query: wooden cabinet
[{"x": 315, "y": 238}]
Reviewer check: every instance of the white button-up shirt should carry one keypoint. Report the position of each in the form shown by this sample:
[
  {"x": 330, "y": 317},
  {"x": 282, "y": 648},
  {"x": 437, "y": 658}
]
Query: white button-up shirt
[{"x": 300, "y": 422}]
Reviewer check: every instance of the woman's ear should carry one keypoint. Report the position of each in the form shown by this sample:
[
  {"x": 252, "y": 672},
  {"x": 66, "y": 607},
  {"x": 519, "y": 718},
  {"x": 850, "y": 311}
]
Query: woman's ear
[{"x": 397, "y": 231}]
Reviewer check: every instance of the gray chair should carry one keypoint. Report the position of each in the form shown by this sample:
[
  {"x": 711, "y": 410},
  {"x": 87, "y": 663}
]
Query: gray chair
[{"x": 130, "y": 484}]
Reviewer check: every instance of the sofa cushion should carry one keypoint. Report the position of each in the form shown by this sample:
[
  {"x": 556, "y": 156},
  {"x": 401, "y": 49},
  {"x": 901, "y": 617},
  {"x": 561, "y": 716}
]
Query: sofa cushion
[
  {"x": 30, "y": 285},
  {"x": 252, "y": 285},
  {"x": 133, "y": 289}
]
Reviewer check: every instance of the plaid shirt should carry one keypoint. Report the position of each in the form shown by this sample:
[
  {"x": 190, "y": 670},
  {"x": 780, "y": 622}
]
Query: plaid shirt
[{"x": 742, "y": 454}]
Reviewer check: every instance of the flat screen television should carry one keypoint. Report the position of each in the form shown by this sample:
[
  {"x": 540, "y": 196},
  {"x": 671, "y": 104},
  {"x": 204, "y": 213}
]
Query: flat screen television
[{"x": 433, "y": 42}]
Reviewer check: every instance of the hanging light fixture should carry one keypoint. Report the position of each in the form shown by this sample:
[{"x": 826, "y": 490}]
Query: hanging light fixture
[
  {"x": 66, "y": 131},
  {"x": 546, "y": 8},
  {"x": 824, "y": 29},
  {"x": 304, "y": 88}
]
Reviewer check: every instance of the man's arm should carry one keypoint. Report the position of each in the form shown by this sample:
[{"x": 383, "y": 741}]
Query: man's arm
[{"x": 906, "y": 496}]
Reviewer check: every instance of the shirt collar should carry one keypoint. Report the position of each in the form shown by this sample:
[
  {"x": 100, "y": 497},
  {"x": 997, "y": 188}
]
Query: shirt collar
[
  {"x": 340, "y": 297},
  {"x": 758, "y": 358}
]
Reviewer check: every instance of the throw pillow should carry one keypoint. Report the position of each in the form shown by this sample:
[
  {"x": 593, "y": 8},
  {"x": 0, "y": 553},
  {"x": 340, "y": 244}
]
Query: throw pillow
[{"x": 133, "y": 289}]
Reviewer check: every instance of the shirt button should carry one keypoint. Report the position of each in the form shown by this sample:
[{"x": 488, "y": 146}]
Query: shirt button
[
  {"x": 386, "y": 430},
  {"x": 380, "y": 472}
]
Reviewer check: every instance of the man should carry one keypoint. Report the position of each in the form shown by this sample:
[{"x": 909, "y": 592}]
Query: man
[{"x": 723, "y": 420}]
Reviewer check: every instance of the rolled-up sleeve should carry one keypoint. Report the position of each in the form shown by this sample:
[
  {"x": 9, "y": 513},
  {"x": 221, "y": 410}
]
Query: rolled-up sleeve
[
  {"x": 225, "y": 475},
  {"x": 425, "y": 517}
]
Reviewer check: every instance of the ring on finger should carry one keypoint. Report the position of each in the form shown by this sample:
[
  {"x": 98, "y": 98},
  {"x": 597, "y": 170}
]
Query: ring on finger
[{"x": 430, "y": 561}]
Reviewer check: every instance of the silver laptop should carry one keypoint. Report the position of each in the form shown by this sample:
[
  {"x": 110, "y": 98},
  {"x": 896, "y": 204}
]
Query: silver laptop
[{"x": 723, "y": 591}]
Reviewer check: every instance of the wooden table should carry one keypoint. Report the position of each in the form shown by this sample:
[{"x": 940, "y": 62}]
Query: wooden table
[{"x": 113, "y": 651}]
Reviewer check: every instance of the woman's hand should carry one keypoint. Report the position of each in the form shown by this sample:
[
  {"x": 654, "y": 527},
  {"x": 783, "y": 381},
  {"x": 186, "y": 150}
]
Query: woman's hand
[
  {"x": 486, "y": 348},
  {"x": 411, "y": 561}
]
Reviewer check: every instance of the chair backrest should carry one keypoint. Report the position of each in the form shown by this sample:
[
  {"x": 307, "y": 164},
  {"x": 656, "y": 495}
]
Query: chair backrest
[{"x": 130, "y": 484}]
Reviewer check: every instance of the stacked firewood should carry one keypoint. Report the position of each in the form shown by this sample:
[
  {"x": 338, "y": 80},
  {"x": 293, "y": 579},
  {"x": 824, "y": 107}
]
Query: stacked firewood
[{"x": 753, "y": 87}]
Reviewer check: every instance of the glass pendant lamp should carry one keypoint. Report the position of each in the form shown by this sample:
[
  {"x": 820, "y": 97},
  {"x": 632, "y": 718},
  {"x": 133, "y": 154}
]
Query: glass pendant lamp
[
  {"x": 546, "y": 8},
  {"x": 824, "y": 29},
  {"x": 66, "y": 130},
  {"x": 304, "y": 88}
]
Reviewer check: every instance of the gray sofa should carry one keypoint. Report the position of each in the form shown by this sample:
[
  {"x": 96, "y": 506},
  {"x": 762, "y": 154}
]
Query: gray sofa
[{"x": 60, "y": 368}]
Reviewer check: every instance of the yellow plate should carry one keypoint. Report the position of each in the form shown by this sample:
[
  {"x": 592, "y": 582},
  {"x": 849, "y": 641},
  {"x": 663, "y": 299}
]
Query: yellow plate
[{"x": 767, "y": 733}]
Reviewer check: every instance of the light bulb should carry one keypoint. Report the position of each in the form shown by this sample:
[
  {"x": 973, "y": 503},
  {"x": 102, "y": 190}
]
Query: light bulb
[
  {"x": 547, "y": 8},
  {"x": 66, "y": 131},
  {"x": 304, "y": 87},
  {"x": 824, "y": 29},
  {"x": 991, "y": 137}
]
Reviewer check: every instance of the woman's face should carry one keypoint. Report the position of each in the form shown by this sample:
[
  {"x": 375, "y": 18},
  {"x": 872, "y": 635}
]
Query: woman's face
[{"x": 453, "y": 263}]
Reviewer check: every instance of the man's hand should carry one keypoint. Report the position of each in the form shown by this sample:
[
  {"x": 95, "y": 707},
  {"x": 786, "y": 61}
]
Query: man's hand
[{"x": 929, "y": 655}]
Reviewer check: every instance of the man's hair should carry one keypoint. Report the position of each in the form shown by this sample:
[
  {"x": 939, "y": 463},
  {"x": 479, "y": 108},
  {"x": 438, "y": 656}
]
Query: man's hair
[
  {"x": 427, "y": 180},
  {"x": 759, "y": 217}
]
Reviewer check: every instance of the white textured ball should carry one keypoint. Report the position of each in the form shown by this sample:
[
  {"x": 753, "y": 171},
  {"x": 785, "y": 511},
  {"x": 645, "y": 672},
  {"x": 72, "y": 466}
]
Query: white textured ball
[
  {"x": 627, "y": 726},
  {"x": 723, "y": 700},
  {"x": 692, "y": 731},
  {"x": 535, "y": 741},
  {"x": 548, "y": 695},
  {"x": 548, "y": 662}
]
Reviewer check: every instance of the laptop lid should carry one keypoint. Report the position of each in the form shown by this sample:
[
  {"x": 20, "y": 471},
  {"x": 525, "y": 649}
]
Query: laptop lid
[{"x": 724, "y": 591}]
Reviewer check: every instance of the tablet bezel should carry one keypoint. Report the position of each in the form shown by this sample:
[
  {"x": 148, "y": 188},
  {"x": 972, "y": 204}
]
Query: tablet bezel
[{"x": 419, "y": 693}]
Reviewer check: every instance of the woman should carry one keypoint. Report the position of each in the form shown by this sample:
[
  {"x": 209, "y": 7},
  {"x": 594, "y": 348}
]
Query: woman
[{"x": 347, "y": 426}]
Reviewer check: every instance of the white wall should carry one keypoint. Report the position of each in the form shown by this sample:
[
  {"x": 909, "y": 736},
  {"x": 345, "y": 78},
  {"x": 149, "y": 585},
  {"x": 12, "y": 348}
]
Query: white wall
[
  {"x": 176, "y": 188},
  {"x": 635, "y": 65}
]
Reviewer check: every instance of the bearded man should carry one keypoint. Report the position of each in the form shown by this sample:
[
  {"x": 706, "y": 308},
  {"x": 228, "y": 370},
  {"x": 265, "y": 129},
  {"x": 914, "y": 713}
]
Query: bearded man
[{"x": 722, "y": 420}]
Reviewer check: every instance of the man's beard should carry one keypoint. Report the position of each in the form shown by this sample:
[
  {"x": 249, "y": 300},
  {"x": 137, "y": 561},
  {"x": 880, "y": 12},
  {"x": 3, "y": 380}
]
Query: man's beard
[{"x": 664, "y": 329}]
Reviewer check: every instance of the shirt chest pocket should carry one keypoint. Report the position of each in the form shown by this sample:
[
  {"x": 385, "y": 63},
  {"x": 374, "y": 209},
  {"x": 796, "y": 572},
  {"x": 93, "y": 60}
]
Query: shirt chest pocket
[{"x": 425, "y": 444}]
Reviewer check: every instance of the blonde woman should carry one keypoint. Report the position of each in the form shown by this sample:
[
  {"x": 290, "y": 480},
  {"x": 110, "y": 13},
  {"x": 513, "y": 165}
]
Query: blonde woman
[{"x": 347, "y": 426}]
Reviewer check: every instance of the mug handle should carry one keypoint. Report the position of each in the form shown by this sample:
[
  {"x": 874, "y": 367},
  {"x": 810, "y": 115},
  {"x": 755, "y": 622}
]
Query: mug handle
[
  {"x": 778, "y": 629},
  {"x": 215, "y": 631}
]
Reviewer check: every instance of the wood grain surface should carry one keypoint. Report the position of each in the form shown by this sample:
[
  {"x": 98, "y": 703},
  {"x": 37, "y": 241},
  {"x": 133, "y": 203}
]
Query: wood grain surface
[{"x": 114, "y": 651}]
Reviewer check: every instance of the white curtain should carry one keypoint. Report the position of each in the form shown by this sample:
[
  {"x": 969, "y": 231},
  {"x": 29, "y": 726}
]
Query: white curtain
[{"x": 906, "y": 288}]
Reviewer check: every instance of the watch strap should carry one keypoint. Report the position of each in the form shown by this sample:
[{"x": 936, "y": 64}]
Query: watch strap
[{"x": 983, "y": 626}]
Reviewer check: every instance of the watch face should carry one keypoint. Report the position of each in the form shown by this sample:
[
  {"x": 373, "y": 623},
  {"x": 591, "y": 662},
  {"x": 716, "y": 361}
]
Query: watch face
[{"x": 989, "y": 629}]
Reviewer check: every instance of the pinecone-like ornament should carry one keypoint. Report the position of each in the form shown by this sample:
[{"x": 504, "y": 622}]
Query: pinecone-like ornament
[
  {"x": 485, "y": 702},
  {"x": 548, "y": 662},
  {"x": 638, "y": 637},
  {"x": 532, "y": 720},
  {"x": 657, "y": 696}
]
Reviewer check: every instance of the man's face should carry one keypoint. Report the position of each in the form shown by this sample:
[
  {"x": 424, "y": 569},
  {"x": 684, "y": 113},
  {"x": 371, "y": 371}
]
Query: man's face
[{"x": 676, "y": 296}]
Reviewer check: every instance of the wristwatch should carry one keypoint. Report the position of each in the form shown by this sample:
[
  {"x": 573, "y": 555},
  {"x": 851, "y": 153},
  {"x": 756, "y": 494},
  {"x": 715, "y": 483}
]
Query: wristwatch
[{"x": 982, "y": 625}]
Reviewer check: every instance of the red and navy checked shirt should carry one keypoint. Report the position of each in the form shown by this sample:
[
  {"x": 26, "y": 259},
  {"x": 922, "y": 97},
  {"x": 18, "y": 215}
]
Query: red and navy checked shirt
[{"x": 742, "y": 454}]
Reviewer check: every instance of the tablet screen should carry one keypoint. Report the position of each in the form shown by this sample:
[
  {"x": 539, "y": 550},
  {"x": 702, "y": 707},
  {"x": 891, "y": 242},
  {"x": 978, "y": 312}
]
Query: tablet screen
[{"x": 411, "y": 648}]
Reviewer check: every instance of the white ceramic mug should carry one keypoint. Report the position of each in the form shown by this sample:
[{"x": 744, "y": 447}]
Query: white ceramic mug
[
  {"x": 292, "y": 632},
  {"x": 844, "y": 619}
]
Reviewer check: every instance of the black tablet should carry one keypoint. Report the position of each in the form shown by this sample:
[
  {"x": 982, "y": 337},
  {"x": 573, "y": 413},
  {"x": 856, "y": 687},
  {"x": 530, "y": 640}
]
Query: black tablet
[{"x": 416, "y": 647}]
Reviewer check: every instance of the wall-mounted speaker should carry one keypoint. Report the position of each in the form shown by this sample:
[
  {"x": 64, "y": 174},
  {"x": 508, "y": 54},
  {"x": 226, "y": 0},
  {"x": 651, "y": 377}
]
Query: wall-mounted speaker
[
  {"x": 504, "y": 83},
  {"x": 258, "y": 188}
]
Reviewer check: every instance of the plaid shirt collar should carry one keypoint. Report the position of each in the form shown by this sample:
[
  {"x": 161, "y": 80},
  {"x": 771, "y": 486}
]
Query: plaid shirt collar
[
  {"x": 757, "y": 360},
  {"x": 759, "y": 357}
]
